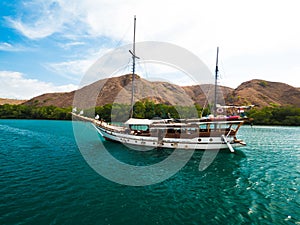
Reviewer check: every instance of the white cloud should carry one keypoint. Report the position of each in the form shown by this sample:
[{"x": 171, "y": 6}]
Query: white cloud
[
  {"x": 75, "y": 69},
  {"x": 4, "y": 46},
  {"x": 238, "y": 25},
  {"x": 71, "y": 44},
  {"x": 72, "y": 70},
  {"x": 15, "y": 85},
  {"x": 240, "y": 28},
  {"x": 39, "y": 19},
  {"x": 156, "y": 71},
  {"x": 33, "y": 31}
]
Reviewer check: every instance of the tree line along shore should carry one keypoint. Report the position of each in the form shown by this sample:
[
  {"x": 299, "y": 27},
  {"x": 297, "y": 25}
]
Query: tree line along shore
[{"x": 271, "y": 115}]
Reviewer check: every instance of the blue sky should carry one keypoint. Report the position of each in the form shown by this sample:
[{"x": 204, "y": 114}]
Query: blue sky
[{"x": 47, "y": 46}]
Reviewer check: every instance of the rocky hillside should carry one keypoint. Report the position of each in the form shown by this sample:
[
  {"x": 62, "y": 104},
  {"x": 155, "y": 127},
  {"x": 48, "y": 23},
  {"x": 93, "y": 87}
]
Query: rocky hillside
[
  {"x": 11, "y": 101},
  {"x": 264, "y": 93},
  {"x": 203, "y": 94},
  {"x": 118, "y": 89},
  {"x": 62, "y": 99}
]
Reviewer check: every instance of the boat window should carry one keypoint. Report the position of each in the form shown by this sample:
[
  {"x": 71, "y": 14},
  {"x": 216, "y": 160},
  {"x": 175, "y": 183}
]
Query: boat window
[
  {"x": 203, "y": 126},
  {"x": 224, "y": 126},
  {"x": 191, "y": 130},
  {"x": 139, "y": 127}
]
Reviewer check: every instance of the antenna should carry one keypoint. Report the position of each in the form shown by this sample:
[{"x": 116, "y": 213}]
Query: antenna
[{"x": 216, "y": 82}]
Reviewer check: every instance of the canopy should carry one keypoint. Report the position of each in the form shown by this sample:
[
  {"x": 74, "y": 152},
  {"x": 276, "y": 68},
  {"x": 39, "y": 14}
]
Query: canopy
[
  {"x": 134, "y": 121},
  {"x": 236, "y": 107}
]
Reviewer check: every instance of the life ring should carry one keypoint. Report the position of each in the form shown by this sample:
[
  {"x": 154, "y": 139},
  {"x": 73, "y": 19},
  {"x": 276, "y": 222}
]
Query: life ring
[{"x": 220, "y": 110}]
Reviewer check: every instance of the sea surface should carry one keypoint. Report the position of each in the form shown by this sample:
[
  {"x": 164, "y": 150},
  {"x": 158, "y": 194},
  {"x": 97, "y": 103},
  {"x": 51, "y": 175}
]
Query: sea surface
[{"x": 44, "y": 179}]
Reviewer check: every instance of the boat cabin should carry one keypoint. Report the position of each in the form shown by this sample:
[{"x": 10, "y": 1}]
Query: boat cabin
[{"x": 174, "y": 129}]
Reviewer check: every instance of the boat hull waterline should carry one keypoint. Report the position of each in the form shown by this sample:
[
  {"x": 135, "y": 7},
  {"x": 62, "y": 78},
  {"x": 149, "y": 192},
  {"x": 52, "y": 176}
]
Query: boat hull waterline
[{"x": 197, "y": 143}]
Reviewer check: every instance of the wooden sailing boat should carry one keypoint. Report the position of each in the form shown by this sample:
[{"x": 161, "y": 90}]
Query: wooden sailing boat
[{"x": 203, "y": 133}]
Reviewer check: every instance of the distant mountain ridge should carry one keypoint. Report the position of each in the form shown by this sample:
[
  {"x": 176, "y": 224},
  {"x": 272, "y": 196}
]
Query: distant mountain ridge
[
  {"x": 11, "y": 101},
  {"x": 118, "y": 89},
  {"x": 265, "y": 93}
]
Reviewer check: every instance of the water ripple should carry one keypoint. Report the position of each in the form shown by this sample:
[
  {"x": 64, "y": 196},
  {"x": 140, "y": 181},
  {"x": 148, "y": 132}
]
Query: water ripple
[{"x": 44, "y": 180}]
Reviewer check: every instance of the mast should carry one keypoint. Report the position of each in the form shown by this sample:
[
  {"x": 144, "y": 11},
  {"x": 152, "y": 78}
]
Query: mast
[
  {"x": 133, "y": 68},
  {"x": 216, "y": 83}
]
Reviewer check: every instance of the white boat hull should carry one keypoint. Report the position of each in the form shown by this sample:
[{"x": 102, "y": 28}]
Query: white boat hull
[{"x": 198, "y": 143}]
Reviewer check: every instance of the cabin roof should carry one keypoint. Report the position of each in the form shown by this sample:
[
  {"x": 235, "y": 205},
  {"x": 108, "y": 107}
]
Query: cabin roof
[{"x": 134, "y": 121}]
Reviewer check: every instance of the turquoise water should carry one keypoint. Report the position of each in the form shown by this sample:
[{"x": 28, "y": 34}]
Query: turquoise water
[{"x": 45, "y": 180}]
